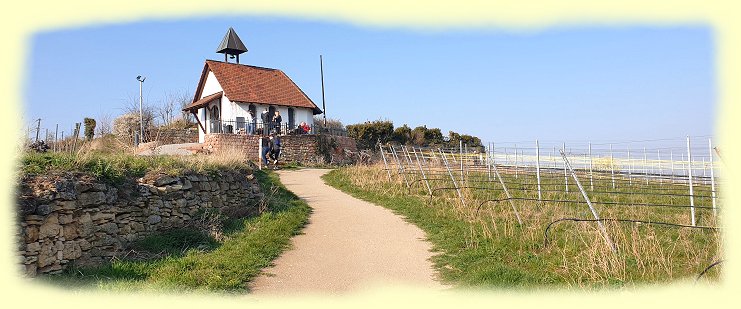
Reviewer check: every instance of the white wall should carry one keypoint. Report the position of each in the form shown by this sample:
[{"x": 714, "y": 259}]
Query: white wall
[{"x": 230, "y": 111}]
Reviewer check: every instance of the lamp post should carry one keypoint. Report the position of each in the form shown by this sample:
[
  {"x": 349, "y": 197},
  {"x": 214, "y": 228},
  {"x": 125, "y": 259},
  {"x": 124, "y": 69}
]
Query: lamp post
[{"x": 141, "y": 115}]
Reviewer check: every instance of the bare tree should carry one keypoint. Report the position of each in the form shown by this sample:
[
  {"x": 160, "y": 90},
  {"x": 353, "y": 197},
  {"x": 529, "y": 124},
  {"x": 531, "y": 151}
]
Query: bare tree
[
  {"x": 183, "y": 98},
  {"x": 166, "y": 110},
  {"x": 131, "y": 106},
  {"x": 105, "y": 124}
]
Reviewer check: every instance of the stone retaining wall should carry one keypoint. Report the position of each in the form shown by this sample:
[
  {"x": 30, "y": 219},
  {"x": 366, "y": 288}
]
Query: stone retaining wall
[
  {"x": 303, "y": 149},
  {"x": 72, "y": 218},
  {"x": 176, "y": 136}
]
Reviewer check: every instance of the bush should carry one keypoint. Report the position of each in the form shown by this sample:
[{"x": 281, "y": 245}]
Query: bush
[
  {"x": 403, "y": 134},
  {"x": 89, "y": 128},
  {"x": 369, "y": 133}
]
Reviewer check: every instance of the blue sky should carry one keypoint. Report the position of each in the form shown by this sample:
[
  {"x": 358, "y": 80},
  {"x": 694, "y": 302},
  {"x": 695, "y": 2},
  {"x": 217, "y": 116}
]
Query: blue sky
[{"x": 577, "y": 83}]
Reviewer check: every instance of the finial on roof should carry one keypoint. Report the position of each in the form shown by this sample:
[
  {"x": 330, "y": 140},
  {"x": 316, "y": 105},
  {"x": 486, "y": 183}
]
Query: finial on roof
[{"x": 231, "y": 45}]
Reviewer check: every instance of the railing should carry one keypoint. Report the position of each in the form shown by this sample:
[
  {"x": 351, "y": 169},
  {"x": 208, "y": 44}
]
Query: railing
[{"x": 260, "y": 128}]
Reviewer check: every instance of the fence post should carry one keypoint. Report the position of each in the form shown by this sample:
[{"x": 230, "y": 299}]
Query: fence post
[
  {"x": 630, "y": 169},
  {"x": 421, "y": 170},
  {"x": 460, "y": 153},
  {"x": 516, "y": 176},
  {"x": 455, "y": 184},
  {"x": 509, "y": 196},
  {"x": 671, "y": 159},
  {"x": 259, "y": 153},
  {"x": 537, "y": 168},
  {"x": 689, "y": 178},
  {"x": 383, "y": 155},
  {"x": 591, "y": 172},
  {"x": 658, "y": 158},
  {"x": 612, "y": 167},
  {"x": 712, "y": 174},
  {"x": 645, "y": 167},
  {"x": 398, "y": 162},
  {"x": 589, "y": 203},
  {"x": 489, "y": 160},
  {"x": 56, "y": 130},
  {"x": 565, "y": 174}
]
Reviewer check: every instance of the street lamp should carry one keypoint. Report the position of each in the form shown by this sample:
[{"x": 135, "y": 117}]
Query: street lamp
[{"x": 141, "y": 99}]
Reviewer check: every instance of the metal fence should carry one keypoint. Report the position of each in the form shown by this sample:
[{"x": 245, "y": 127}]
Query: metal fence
[
  {"x": 260, "y": 128},
  {"x": 592, "y": 177}
]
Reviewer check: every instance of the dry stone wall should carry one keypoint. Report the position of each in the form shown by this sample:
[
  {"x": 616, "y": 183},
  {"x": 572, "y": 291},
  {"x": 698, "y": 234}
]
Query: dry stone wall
[
  {"x": 74, "y": 219},
  {"x": 176, "y": 136},
  {"x": 305, "y": 149}
]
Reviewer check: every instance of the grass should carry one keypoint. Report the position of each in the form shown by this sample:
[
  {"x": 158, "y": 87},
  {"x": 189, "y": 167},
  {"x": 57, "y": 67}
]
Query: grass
[
  {"x": 487, "y": 248},
  {"x": 188, "y": 260},
  {"x": 116, "y": 168}
]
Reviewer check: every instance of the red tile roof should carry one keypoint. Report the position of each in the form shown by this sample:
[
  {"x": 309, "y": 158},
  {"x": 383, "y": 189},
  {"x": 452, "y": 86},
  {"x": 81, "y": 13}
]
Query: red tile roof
[
  {"x": 251, "y": 84},
  {"x": 204, "y": 101}
]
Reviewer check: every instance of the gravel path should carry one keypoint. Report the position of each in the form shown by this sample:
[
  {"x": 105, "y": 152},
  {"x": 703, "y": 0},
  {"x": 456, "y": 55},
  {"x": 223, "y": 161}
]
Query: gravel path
[{"x": 348, "y": 245}]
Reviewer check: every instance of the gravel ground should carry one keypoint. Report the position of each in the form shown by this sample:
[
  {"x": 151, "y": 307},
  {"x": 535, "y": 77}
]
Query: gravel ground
[
  {"x": 171, "y": 149},
  {"x": 348, "y": 245}
]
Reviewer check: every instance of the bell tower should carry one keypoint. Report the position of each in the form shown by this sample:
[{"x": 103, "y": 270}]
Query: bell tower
[{"x": 231, "y": 45}]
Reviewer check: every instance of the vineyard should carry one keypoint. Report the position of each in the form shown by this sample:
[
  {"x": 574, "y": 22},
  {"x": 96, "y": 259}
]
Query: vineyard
[{"x": 592, "y": 214}]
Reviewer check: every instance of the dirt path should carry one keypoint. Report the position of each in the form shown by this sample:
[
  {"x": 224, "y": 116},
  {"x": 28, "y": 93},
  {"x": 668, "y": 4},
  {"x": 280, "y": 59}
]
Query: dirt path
[{"x": 348, "y": 245}]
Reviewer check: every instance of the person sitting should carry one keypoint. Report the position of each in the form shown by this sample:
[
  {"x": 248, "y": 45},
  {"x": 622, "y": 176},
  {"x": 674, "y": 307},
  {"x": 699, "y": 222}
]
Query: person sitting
[{"x": 304, "y": 128}]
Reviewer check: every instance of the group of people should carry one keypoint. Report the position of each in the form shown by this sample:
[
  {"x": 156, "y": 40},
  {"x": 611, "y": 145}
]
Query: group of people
[
  {"x": 269, "y": 124},
  {"x": 272, "y": 124},
  {"x": 270, "y": 149}
]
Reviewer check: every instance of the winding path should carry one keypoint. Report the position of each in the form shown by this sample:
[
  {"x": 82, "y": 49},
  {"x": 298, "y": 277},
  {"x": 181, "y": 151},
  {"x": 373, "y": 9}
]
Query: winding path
[{"x": 348, "y": 245}]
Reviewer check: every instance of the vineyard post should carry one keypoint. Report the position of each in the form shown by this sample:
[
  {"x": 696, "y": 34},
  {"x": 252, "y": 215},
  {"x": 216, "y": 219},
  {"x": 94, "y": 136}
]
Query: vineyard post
[
  {"x": 612, "y": 167},
  {"x": 399, "y": 164},
  {"x": 56, "y": 130},
  {"x": 421, "y": 170},
  {"x": 658, "y": 158},
  {"x": 422, "y": 155},
  {"x": 630, "y": 169},
  {"x": 460, "y": 153},
  {"x": 406, "y": 154},
  {"x": 671, "y": 159},
  {"x": 537, "y": 168},
  {"x": 589, "y": 203},
  {"x": 457, "y": 189},
  {"x": 516, "y": 176},
  {"x": 689, "y": 178},
  {"x": 385, "y": 164},
  {"x": 591, "y": 175},
  {"x": 509, "y": 196},
  {"x": 712, "y": 174},
  {"x": 565, "y": 174},
  {"x": 645, "y": 166},
  {"x": 489, "y": 158}
]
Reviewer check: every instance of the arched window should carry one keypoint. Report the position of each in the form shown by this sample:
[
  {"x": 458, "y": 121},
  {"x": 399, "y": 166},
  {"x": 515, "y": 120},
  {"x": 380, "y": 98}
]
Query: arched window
[{"x": 214, "y": 116}]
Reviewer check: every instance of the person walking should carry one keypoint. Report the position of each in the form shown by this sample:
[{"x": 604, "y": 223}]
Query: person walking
[
  {"x": 275, "y": 149},
  {"x": 266, "y": 149}
]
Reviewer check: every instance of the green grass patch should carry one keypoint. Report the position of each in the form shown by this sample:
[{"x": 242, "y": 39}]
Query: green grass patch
[
  {"x": 191, "y": 261},
  {"x": 116, "y": 168}
]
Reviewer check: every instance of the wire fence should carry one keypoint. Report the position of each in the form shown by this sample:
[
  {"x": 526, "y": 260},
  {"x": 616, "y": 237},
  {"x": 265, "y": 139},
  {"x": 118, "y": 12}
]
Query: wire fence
[{"x": 597, "y": 177}]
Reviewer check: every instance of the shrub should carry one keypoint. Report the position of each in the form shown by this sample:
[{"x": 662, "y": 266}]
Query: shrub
[
  {"x": 369, "y": 133},
  {"x": 89, "y": 128}
]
